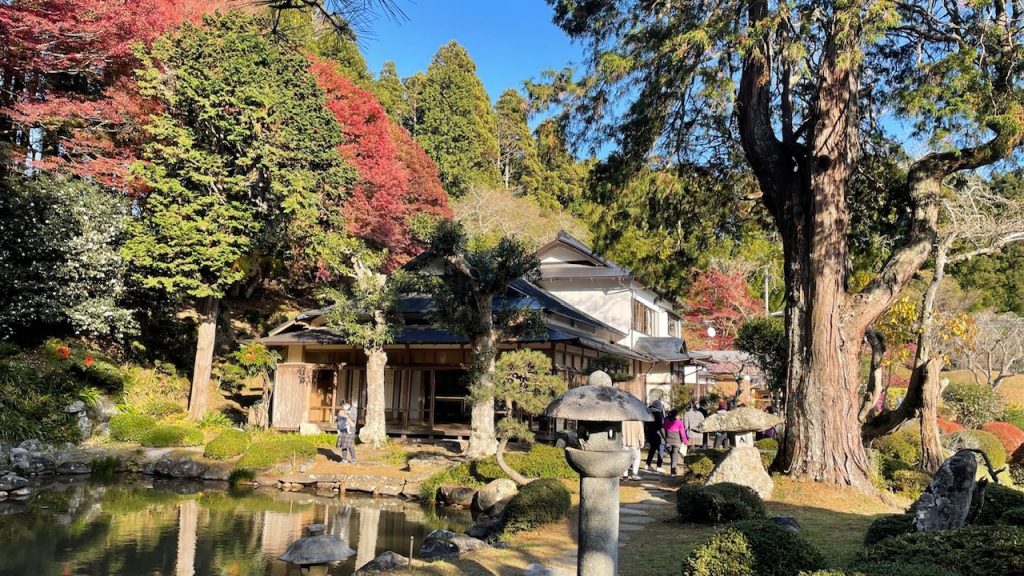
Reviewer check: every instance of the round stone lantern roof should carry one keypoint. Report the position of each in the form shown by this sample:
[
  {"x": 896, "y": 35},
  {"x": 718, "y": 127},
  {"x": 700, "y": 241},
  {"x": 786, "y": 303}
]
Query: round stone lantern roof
[
  {"x": 598, "y": 404},
  {"x": 739, "y": 420}
]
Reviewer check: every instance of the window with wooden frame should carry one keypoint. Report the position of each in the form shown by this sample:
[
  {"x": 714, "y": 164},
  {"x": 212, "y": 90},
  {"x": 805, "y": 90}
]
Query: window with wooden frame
[
  {"x": 644, "y": 319},
  {"x": 674, "y": 326}
]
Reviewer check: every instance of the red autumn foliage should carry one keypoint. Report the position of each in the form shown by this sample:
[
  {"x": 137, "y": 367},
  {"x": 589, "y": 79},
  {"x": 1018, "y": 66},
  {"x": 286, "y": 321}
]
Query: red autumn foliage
[
  {"x": 1009, "y": 435},
  {"x": 722, "y": 300},
  {"x": 67, "y": 67},
  {"x": 948, "y": 426},
  {"x": 397, "y": 179}
]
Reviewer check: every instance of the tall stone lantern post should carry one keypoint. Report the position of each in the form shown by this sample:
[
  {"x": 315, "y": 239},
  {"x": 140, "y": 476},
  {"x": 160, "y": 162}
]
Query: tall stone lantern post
[{"x": 600, "y": 458}]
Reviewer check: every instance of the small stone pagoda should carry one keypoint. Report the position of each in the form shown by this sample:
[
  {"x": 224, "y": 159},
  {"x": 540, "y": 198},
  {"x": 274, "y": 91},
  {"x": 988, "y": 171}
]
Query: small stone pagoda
[{"x": 742, "y": 465}]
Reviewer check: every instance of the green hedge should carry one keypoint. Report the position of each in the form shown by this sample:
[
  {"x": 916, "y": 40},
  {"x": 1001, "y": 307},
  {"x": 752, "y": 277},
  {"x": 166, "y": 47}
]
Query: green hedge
[
  {"x": 167, "y": 436},
  {"x": 161, "y": 408},
  {"x": 979, "y": 439},
  {"x": 903, "y": 445},
  {"x": 227, "y": 444},
  {"x": 970, "y": 551},
  {"x": 718, "y": 503},
  {"x": 767, "y": 444},
  {"x": 276, "y": 449},
  {"x": 888, "y": 526},
  {"x": 910, "y": 483},
  {"x": 998, "y": 500},
  {"x": 1013, "y": 517},
  {"x": 539, "y": 502},
  {"x": 541, "y": 461},
  {"x": 756, "y": 547},
  {"x": 130, "y": 427}
]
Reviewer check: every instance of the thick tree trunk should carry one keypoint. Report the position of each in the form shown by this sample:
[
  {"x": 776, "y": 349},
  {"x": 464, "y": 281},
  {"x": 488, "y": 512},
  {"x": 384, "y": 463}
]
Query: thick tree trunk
[
  {"x": 932, "y": 453},
  {"x": 374, "y": 431},
  {"x": 483, "y": 440},
  {"x": 199, "y": 399}
]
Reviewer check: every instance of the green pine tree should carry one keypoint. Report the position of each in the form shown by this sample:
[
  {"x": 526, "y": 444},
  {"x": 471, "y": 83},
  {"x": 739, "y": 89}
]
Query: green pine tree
[
  {"x": 517, "y": 152},
  {"x": 458, "y": 127},
  {"x": 393, "y": 95}
]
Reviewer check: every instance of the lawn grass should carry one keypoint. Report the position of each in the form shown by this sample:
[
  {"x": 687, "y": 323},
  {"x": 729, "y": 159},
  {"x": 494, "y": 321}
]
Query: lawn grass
[{"x": 834, "y": 519}]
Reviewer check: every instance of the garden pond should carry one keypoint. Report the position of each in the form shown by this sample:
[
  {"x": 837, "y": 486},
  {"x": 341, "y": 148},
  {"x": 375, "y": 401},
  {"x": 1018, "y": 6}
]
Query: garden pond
[{"x": 151, "y": 527}]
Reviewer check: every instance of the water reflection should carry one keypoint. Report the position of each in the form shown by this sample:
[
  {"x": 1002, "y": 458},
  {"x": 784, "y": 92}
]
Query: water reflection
[{"x": 191, "y": 529}]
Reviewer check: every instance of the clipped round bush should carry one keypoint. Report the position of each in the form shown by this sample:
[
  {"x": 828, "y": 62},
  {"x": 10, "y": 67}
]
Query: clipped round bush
[
  {"x": 228, "y": 444},
  {"x": 1013, "y": 517},
  {"x": 948, "y": 426},
  {"x": 167, "y": 436},
  {"x": 1014, "y": 414},
  {"x": 541, "y": 461},
  {"x": 726, "y": 554},
  {"x": 718, "y": 503},
  {"x": 980, "y": 440},
  {"x": 998, "y": 500},
  {"x": 755, "y": 547},
  {"x": 973, "y": 404},
  {"x": 1009, "y": 435},
  {"x": 699, "y": 465},
  {"x": 276, "y": 449},
  {"x": 539, "y": 502},
  {"x": 768, "y": 444},
  {"x": 903, "y": 445},
  {"x": 130, "y": 427},
  {"x": 910, "y": 483},
  {"x": 887, "y": 526},
  {"x": 970, "y": 551}
]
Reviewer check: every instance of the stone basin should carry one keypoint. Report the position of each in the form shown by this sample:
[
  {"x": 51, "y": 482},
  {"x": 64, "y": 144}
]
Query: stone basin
[{"x": 598, "y": 463}]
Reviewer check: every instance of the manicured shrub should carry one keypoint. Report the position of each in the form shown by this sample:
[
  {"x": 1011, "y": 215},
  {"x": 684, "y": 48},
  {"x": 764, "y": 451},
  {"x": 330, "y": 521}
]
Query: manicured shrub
[
  {"x": 718, "y": 503},
  {"x": 1014, "y": 414},
  {"x": 1013, "y": 517},
  {"x": 767, "y": 458},
  {"x": 539, "y": 502},
  {"x": 457, "y": 475},
  {"x": 726, "y": 554},
  {"x": 130, "y": 427},
  {"x": 161, "y": 408},
  {"x": 1009, "y": 435},
  {"x": 970, "y": 551},
  {"x": 276, "y": 449},
  {"x": 769, "y": 550},
  {"x": 978, "y": 439},
  {"x": 227, "y": 444},
  {"x": 998, "y": 500},
  {"x": 909, "y": 483},
  {"x": 973, "y": 404},
  {"x": 767, "y": 444},
  {"x": 166, "y": 436},
  {"x": 699, "y": 466},
  {"x": 903, "y": 445},
  {"x": 540, "y": 461},
  {"x": 887, "y": 526},
  {"x": 948, "y": 426}
]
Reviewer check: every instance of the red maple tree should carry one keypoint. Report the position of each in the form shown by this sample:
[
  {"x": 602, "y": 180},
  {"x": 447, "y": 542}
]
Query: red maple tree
[
  {"x": 397, "y": 179},
  {"x": 723, "y": 301}
]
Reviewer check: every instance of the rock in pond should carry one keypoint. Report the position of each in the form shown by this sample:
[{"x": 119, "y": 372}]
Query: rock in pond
[
  {"x": 186, "y": 468},
  {"x": 69, "y": 468},
  {"x": 451, "y": 495},
  {"x": 385, "y": 562},
  {"x": 445, "y": 544},
  {"x": 12, "y": 482}
]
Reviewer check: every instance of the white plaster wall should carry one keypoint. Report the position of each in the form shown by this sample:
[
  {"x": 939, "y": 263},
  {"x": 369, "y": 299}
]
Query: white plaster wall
[{"x": 606, "y": 301}]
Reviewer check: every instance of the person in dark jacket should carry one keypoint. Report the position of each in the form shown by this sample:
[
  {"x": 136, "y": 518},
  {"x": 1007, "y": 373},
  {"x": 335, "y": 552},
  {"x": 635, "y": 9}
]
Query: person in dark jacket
[
  {"x": 655, "y": 434},
  {"x": 346, "y": 433}
]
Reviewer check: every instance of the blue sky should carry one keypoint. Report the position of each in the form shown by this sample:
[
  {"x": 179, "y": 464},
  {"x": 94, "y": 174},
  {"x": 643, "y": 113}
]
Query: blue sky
[{"x": 510, "y": 40}]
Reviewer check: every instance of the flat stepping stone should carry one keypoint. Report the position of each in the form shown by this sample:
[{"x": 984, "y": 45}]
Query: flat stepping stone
[
  {"x": 629, "y": 510},
  {"x": 636, "y": 520}
]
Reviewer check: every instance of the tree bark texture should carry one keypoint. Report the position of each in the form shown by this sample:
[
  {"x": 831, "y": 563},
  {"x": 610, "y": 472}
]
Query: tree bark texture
[
  {"x": 483, "y": 440},
  {"x": 373, "y": 430},
  {"x": 199, "y": 398},
  {"x": 508, "y": 470}
]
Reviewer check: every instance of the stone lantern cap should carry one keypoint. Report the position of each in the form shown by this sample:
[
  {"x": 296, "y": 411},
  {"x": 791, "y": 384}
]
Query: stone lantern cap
[
  {"x": 321, "y": 549},
  {"x": 739, "y": 420},
  {"x": 598, "y": 404}
]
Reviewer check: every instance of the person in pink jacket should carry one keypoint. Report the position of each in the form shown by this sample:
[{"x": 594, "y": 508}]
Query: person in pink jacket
[{"x": 675, "y": 438}]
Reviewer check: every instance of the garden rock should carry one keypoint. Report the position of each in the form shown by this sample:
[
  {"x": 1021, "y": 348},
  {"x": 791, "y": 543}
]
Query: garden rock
[
  {"x": 449, "y": 495},
  {"x": 103, "y": 410},
  {"x": 495, "y": 491},
  {"x": 308, "y": 429},
  {"x": 445, "y": 544},
  {"x": 12, "y": 482},
  {"x": 947, "y": 500},
  {"x": 32, "y": 445},
  {"x": 69, "y": 468},
  {"x": 35, "y": 466},
  {"x": 485, "y": 530},
  {"x": 787, "y": 522},
  {"x": 3, "y": 496},
  {"x": 75, "y": 407},
  {"x": 179, "y": 468},
  {"x": 383, "y": 563},
  {"x": 743, "y": 466}
]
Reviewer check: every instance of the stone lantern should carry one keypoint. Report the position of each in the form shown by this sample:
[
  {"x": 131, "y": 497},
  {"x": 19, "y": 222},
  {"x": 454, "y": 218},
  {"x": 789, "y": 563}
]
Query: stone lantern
[
  {"x": 742, "y": 465},
  {"x": 314, "y": 552},
  {"x": 599, "y": 410}
]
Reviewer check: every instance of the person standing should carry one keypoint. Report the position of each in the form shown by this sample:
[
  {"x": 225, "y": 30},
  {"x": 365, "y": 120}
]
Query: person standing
[
  {"x": 655, "y": 434},
  {"x": 633, "y": 438},
  {"x": 675, "y": 439},
  {"x": 693, "y": 419},
  {"x": 346, "y": 433}
]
